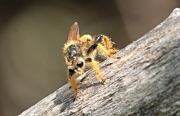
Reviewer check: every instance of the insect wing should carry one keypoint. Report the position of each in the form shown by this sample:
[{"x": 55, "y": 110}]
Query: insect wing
[{"x": 74, "y": 33}]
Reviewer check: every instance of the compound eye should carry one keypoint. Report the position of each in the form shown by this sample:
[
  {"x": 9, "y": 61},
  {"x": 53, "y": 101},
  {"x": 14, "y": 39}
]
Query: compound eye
[{"x": 80, "y": 64}]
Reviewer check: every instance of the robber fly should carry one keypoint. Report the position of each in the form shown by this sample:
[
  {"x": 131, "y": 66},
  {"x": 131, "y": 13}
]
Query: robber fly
[{"x": 80, "y": 52}]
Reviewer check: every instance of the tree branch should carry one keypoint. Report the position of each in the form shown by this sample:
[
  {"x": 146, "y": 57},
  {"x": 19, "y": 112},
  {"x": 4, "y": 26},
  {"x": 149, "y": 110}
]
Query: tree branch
[{"x": 145, "y": 81}]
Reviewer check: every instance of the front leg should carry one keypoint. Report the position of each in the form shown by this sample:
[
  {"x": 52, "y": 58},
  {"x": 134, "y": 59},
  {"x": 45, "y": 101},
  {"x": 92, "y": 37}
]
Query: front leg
[
  {"x": 71, "y": 72},
  {"x": 94, "y": 64}
]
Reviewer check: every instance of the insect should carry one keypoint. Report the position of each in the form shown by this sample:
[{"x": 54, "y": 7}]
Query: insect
[{"x": 80, "y": 53}]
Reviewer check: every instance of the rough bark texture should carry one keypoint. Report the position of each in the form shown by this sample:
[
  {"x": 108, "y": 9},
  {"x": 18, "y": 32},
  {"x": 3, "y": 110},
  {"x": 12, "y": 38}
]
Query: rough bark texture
[{"x": 145, "y": 81}]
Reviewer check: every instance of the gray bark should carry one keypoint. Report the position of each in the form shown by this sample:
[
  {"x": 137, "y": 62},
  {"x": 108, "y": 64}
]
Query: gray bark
[{"x": 145, "y": 81}]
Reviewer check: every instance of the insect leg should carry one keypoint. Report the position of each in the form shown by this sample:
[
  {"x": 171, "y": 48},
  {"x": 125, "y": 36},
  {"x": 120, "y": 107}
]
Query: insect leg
[
  {"x": 106, "y": 52},
  {"x": 71, "y": 79},
  {"x": 107, "y": 48},
  {"x": 108, "y": 43},
  {"x": 94, "y": 64}
]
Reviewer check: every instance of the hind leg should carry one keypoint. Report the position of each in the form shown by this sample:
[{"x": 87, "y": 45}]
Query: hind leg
[
  {"x": 109, "y": 52},
  {"x": 104, "y": 44},
  {"x": 107, "y": 48}
]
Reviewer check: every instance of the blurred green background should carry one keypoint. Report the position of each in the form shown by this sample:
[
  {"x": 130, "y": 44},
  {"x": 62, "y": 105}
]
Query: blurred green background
[{"x": 32, "y": 34}]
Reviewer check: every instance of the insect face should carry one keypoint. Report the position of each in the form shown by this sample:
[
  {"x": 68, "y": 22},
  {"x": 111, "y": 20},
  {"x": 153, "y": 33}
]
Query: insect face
[{"x": 78, "y": 68}]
